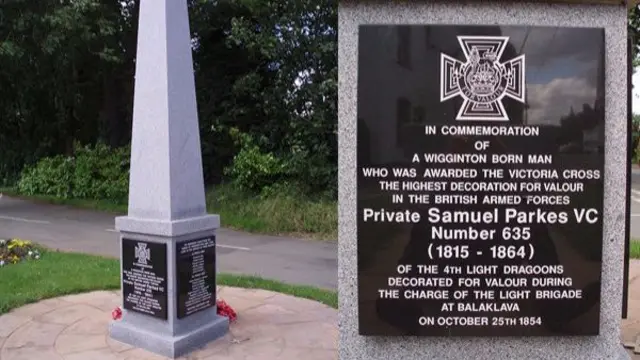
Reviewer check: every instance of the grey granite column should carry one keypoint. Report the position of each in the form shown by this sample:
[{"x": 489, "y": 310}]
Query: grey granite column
[{"x": 167, "y": 209}]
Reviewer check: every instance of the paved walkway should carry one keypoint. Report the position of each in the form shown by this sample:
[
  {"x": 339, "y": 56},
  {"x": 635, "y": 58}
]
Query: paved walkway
[
  {"x": 269, "y": 326},
  {"x": 631, "y": 326},
  {"x": 66, "y": 228}
]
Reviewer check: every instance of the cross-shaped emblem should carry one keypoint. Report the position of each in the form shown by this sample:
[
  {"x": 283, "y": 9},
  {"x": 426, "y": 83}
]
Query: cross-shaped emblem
[
  {"x": 482, "y": 81},
  {"x": 142, "y": 253}
]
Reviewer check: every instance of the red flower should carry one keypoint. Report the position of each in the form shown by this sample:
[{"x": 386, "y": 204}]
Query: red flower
[
  {"x": 116, "y": 314},
  {"x": 225, "y": 310}
]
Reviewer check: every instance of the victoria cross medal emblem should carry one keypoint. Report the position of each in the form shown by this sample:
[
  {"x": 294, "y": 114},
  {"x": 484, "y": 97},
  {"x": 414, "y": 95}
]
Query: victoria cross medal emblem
[
  {"x": 142, "y": 253},
  {"x": 482, "y": 81}
]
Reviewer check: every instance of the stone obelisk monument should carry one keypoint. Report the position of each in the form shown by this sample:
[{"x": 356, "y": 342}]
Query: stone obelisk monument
[{"x": 167, "y": 238}]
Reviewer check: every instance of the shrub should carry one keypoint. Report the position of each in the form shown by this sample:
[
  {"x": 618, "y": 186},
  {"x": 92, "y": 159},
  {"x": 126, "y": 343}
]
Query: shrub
[
  {"x": 252, "y": 169},
  {"x": 49, "y": 176},
  {"x": 97, "y": 172},
  {"x": 310, "y": 173},
  {"x": 300, "y": 170},
  {"x": 101, "y": 173}
]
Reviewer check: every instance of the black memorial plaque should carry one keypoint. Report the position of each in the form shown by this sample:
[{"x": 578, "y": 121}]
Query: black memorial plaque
[
  {"x": 144, "y": 277},
  {"x": 196, "y": 280},
  {"x": 480, "y": 180}
]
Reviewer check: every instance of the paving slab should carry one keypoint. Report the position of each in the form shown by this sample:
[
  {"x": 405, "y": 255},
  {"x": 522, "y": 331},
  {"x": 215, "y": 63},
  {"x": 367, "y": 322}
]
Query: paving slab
[
  {"x": 75, "y": 327},
  {"x": 630, "y": 330}
]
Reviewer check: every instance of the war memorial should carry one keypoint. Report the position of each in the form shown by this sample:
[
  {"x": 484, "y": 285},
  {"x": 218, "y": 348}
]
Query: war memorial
[{"x": 168, "y": 241}]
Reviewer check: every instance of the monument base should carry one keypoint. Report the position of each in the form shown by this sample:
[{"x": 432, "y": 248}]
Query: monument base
[
  {"x": 167, "y": 345},
  {"x": 168, "y": 271},
  {"x": 624, "y": 354}
]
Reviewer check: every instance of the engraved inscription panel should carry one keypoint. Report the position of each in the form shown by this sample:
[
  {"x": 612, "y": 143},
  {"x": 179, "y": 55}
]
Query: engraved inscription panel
[
  {"x": 480, "y": 180},
  {"x": 196, "y": 275},
  {"x": 144, "y": 277}
]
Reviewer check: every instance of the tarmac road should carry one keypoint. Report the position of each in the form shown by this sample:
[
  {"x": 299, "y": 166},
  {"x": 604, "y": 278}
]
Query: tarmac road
[
  {"x": 289, "y": 260},
  {"x": 635, "y": 203}
]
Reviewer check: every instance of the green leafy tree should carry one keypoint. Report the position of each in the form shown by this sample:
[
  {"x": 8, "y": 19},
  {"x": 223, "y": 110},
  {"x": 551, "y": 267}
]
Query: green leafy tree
[
  {"x": 633, "y": 31},
  {"x": 54, "y": 56},
  {"x": 296, "y": 41},
  {"x": 265, "y": 71}
]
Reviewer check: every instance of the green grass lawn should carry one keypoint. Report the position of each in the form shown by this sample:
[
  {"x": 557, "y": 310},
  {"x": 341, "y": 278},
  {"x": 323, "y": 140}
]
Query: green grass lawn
[
  {"x": 278, "y": 214},
  {"x": 59, "y": 273},
  {"x": 634, "y": 252}
]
